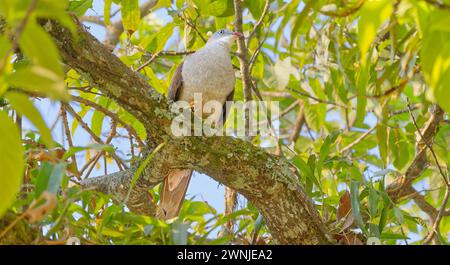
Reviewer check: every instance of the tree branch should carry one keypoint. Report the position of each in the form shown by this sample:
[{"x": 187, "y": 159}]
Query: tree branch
[{"x": 400, "y": 187}]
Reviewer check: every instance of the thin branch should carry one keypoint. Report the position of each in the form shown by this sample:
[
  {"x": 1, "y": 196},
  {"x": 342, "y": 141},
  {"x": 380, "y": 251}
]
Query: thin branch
[
  {"x": 357, "y": 141},
  {"x": 444, "y": 177},
  {"x": 69, "y": 138},
  {"x": 256, "y": 53},
  {"x": 276, "y": 94},
  {"x": 319, "y": 100},
  {"x": 344, "y": 13},
  {"x": 194, "y": 27},
  {"x": 259, "y": 22},
  {"x": 111, "y": 135},
  {"x": 298, "y": 125},
  {"x": 438, "y": 4},
  {"x": 149, "y": 61},
  {"x": 90, "y": 132},
  {"x": 113, "y": 116},
  {"x": 435, "y": 228},
  {"x": 93, "y": 19}
]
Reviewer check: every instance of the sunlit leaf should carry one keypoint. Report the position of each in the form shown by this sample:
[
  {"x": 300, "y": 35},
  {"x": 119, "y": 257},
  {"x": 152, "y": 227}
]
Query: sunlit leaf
[
  {"x": 11, "y": 162},
  {"x": 373, "y": 14},
  {"x": 23, "y": 105},
  {"x": 131, "y": 15}
]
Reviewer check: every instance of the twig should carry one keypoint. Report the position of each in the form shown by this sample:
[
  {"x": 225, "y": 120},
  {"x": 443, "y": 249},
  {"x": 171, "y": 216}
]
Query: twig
[
  {"x": 93, "y": 19},
  {"x": 444, "y": 177},
  {"x": 69, "y": 138},
  {"x": 435, "y": 227},
  {"x": 259, "y": 22},
  {"x": 256, "y": 53},
  {"x": 344, "y": 13},
  {"x": 18, "y": 33},
  {"x": 357, "y": 141},
  {"x": 99, "y": 154},
  {"x": 12, "y": 224},
  {"x": 242, "y": 51},
  {"x": 298, "y": 125},
  {"x": 154, "y": 56},
  {"x": 439, "y": 5},
  {"x": 113, "y": 116},
  {"x": 90, "y": 132},
  {"x": 319, "y": 100},
  {"x": 192, "y": 25},
  {"x": 276, "y": 94}
]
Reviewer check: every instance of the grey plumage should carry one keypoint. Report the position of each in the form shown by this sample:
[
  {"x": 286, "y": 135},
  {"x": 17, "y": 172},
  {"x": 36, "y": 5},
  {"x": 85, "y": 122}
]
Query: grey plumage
[{"x": 208, "y": 71}]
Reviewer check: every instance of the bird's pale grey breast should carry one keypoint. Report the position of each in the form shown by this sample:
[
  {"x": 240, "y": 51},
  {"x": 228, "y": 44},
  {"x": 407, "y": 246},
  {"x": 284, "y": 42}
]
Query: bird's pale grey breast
[{"x": 208, "y": 71}]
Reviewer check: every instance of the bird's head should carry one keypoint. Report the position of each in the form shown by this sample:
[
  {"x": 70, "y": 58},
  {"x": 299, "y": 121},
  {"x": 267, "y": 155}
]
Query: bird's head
[{"x": 225, "y": 37}]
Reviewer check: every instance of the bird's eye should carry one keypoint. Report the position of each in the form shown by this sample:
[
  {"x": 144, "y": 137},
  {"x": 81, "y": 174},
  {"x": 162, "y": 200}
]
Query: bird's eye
[{"x": 221, "y": 31}]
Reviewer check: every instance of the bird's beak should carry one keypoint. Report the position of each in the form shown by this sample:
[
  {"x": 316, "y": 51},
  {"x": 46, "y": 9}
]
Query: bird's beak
[{"x": 237, "y": 34}]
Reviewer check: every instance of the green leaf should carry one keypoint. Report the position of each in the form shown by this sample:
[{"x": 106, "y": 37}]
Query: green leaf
[
  {"x": 373, "y": 202},
  {"x": 382, "y": 138},
  {"x": 398, "y": 215},
  {"x": 99, "y": 147},
  {"x": 361, "y": 99},
  {"x": 288, "y": 12},
  {"x": 54, "y": 181},
  {"x": 354, "y": 195},
  {"x": 201, "y": 4},
  {"x": 11, "y": 162},
  {"x": 23, "y": 105},
  {"x": 325, "y": 150},
  {"x": 393, "y": 236},
  {"x": 5, "y": 50},
  {"x": 107, "y": 12},
  {"x": 42, "y": 178},
  {"x": 81, "y": 113},
  {"x": 32, "y": 42},
  {"x": 141, "y": 168},
  {"x": 436, "y": 62},
  {"x": 131, "y": 15},
  {"x": 315, "y": 115},
  {"x": 300, "y": 19},
  {"x": 255, "y": 7},
  {"x": 307, "y": 171},
  {"x": 220, "y": 8},
  {"x": 373, "y": 13},
  {"x": 281, "y": 73},
  {"x": 38, "y": 79},
  {"x": 79, "y": 7},
  {"x": 179, "y": 233},
  {"x": 164, "y": 35},
  {"x": 111, "y": 232},
  {"x": 98, "y": 116}
]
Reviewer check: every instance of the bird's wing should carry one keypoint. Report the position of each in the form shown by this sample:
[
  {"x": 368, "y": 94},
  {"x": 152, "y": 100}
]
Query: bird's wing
[
  {"x": 225, "y": 110},
  {"x": 176, "y": 85}
]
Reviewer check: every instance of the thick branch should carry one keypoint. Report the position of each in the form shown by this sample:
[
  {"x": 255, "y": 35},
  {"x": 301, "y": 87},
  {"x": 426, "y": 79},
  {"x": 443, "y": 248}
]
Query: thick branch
[{"x": 401, "y": 187}]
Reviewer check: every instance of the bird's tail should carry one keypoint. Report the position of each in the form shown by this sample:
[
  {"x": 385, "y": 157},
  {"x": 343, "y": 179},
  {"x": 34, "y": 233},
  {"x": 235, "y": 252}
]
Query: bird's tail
[{"x": 173, "y": 191}]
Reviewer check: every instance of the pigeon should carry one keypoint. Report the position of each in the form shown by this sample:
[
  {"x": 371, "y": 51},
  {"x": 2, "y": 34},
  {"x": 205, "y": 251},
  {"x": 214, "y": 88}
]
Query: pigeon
[{"x": 210, "y": 73}]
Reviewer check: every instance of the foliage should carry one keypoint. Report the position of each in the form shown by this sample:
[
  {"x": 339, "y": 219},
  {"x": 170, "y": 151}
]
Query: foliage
[{"x": 356, "y": 71}]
